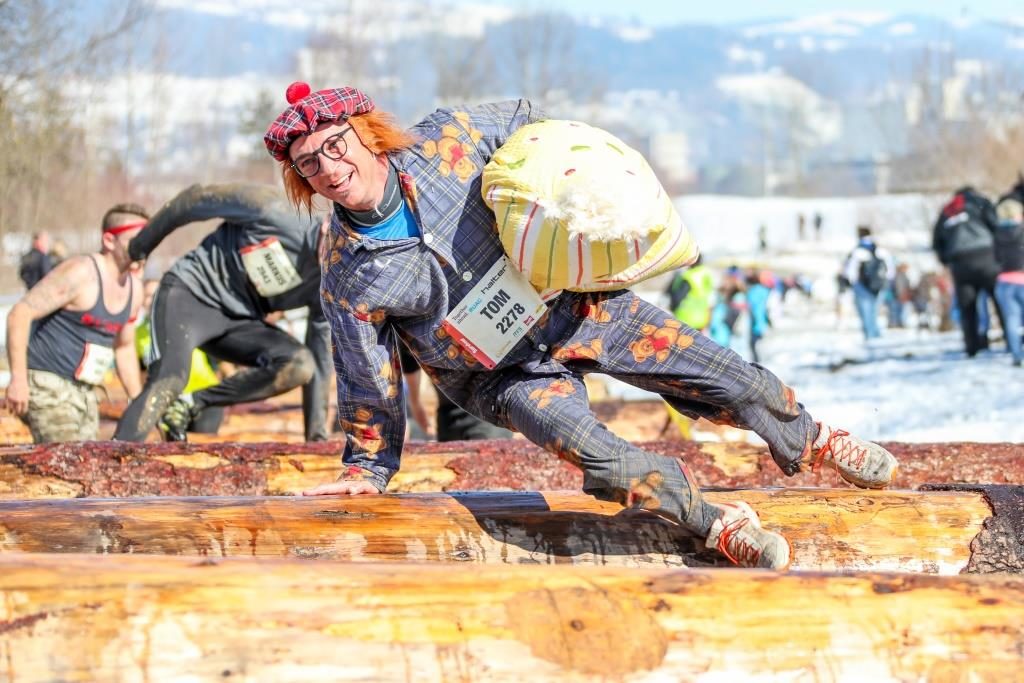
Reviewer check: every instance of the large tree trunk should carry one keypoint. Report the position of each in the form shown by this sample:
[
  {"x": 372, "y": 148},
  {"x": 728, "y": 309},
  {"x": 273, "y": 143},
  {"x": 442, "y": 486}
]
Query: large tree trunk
[
  {"x": 83, "y": 618},
  {"x": 830, "y": 530},
  {"x": 231, "y": 469}
]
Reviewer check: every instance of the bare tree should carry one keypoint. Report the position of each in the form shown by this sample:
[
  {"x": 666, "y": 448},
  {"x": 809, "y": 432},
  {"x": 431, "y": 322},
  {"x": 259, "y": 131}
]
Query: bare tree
[
  {"x": 44, "y": 46},
  {"x": 464, "y": 69},
  {"x": 969, "y": 128},
  {"x": 543, "y": 57}
]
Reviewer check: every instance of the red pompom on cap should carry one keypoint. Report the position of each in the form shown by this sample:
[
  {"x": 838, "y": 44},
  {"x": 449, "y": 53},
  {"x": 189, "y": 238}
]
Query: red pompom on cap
[{"x": 296, "y": 91}]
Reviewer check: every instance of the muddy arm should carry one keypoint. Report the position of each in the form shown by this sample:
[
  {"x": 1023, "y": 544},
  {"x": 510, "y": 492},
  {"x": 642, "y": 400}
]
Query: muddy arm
[{"x": 232, "y": 202}]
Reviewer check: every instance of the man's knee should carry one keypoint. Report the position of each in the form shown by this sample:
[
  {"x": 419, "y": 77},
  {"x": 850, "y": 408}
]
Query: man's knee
[{"x": 297, "y": 370}]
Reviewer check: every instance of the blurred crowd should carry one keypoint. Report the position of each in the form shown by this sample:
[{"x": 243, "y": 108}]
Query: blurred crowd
[
  {"x": 737, "y": 304},
  {"x": 980, "y": 287}
]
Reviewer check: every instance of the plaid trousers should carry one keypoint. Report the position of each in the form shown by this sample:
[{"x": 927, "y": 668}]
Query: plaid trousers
[{"x": 622, "y": 336}]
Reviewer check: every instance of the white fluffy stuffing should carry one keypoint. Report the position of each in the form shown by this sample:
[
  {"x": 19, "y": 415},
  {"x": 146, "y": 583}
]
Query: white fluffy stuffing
[{"x": 599, "y": 214}]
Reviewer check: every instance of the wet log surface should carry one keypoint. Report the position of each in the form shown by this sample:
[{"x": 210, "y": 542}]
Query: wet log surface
[
  {"x": 113, "y": 469},
  {"x": 88, "y": 618},
  {"x": 830, "y": 530}
]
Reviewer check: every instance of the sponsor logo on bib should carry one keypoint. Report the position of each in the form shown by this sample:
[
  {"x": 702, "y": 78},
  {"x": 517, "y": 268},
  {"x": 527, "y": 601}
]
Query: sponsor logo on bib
[{"x": 496, "y": 314}]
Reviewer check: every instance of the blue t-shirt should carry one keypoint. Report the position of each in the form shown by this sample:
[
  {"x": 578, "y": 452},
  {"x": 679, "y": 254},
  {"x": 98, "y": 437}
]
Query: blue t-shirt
[{"x": 399, "y": 226}]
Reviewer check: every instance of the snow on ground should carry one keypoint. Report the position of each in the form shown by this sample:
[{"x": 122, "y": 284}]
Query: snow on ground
[{"x": 909, "y": 385}]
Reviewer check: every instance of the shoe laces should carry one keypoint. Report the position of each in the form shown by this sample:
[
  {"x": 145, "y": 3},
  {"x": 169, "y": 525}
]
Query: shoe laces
[
  {"x": 177, "y": 412},
  {"x": 738, "y": 549},
  {"x": 844, "y": 451}
]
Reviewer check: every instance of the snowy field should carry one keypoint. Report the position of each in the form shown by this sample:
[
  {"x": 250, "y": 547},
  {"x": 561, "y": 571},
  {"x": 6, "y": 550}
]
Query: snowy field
[{"x": 906, "y": 386}]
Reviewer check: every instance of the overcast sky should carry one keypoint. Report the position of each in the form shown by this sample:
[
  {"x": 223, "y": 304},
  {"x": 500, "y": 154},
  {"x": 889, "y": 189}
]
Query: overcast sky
[{"x": 663, "y": 12}]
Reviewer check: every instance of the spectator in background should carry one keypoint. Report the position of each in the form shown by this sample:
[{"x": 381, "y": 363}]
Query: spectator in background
[
  {"x": 898, "y": 295},
  {"x": 963, "y": 240},
  {"x": 691, "y": 295},
  {"x": 842, "y": 287},
  {"x": 730, "y": 302},
  {"x": 817, "y": 226},
  {"x": 801, "y": 227},
  {"x": 37, "y": 262},
  {"x": 1009, "y": 248},
  {"x": 867, "y": 270},
  {"x": 759, "y": 287}
]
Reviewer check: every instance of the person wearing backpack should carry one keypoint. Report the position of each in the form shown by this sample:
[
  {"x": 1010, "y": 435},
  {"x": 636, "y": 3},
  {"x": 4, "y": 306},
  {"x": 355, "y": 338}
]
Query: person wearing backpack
[
  {"x": 964, "y": 241},
  {"x": 867, "y": 270},
  {"x": 1009, "y": 248}
]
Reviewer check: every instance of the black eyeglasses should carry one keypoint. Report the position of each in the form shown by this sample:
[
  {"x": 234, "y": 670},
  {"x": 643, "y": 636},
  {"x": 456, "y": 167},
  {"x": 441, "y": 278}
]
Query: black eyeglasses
[{"x": 334, "y": 148}]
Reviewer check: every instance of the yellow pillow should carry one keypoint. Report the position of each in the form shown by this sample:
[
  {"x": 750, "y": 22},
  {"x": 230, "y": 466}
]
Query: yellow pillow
[{"x": 577, "y": 209}]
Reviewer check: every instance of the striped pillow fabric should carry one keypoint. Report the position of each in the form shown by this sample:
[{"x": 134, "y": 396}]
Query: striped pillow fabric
[{"x": 578, "y": 209}]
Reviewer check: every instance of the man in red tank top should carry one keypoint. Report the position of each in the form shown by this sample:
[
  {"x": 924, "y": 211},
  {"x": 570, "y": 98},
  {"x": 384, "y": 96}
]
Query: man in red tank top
[{"x": 81, "y": 321}]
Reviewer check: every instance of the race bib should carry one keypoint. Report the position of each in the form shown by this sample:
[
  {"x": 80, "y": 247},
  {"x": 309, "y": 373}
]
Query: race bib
[
  {"x": 269, "y": 268},
  {"x": 96, "y": 362},
  {"x": 496, "y": 314}
]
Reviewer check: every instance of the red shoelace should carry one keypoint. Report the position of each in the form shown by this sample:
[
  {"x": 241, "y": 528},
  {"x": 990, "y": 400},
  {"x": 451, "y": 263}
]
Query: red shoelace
[
  {"x": 745, "y": 554},
  {"x": 846, "y": 452}
]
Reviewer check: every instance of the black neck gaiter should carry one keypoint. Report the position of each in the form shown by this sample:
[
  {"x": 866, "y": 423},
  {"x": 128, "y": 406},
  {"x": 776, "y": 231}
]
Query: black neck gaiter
[{"x": 388, "y": 207}]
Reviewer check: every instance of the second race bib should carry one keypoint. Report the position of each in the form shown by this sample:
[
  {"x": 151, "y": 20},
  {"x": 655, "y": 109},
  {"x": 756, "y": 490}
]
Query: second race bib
[
  {"x": 269, "y": 268},
  {"x": 96, "y": 362}
]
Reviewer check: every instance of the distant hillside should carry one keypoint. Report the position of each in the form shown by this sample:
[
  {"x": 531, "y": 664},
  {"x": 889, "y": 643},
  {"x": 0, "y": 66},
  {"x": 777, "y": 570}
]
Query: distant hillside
[{"x": 729, "y": 107}]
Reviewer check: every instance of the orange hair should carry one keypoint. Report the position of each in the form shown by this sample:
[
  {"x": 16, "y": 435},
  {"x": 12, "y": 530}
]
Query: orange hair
[{"x": 376, "y": 129}]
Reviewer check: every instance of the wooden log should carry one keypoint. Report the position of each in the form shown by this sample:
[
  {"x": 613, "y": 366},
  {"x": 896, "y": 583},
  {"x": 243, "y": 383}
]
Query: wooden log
[
  {"x": 830, "y": 530},
  {"x": 13, "y": 430},
  {"x": 114, "y": 469},
  {"x": 86, "y": 618}
]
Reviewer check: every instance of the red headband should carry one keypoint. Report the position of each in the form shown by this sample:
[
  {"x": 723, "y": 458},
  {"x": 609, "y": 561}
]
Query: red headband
[{"x": 124, "y": 227}]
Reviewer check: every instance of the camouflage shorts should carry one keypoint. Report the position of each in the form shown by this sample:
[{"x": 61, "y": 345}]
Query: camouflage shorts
[{"x": 60, "y": 409}]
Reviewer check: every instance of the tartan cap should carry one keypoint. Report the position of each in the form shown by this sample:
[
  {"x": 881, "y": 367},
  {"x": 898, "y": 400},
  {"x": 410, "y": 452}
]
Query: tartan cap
[{"x": 307, "y": 111}]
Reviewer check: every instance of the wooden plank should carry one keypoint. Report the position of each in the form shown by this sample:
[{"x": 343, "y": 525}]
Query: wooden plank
[
  {"x": 88, "y": 618},
  {"x": 105, "y": 469},
  {"x": 830, "y": 530}
]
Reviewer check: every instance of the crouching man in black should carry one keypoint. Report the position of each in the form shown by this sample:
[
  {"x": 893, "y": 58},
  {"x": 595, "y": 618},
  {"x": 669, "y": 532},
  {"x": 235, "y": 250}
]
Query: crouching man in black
[{"x": 260, "y": 260}]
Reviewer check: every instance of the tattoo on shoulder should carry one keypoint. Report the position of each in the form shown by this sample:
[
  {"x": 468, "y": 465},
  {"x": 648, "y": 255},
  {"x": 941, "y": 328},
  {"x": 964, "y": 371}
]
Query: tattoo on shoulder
[{"x": 56, "y": 289}]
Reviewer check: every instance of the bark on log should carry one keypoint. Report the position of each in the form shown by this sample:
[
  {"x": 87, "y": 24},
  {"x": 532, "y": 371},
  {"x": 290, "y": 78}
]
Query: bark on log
[
  {"x": 830, "y": 530},
  {"x": 84, "y": 618},
  {"x": 113, "y": 469}
]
